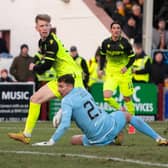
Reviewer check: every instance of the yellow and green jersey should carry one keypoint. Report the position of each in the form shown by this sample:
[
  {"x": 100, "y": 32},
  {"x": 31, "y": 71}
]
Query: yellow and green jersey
[
  {"x": 55, "y": 55},
  {"x": 49, "y": 74},
  {"x": 117, "y": 53},
  {"x": 64, "y": 62}
]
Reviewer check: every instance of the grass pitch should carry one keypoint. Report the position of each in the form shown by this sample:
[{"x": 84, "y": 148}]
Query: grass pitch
[{"x": 137, "y": 151}]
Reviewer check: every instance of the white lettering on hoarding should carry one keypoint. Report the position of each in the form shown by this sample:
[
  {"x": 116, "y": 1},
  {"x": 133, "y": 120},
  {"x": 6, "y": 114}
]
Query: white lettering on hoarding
[
  {"x": 146, "y": 107},
  {"x": 17, "y": 95},
  {"x": 135, "y": 98}
]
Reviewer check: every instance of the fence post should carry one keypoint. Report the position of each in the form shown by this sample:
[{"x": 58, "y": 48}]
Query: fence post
[{"x": 160, "y": 102}]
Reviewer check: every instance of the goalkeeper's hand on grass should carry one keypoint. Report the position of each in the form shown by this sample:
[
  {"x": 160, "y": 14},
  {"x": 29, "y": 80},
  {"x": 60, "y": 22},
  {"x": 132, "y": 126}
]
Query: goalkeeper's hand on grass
[
  {"x": 57, "y": 118},
  {"x": 44, "y": 143}
]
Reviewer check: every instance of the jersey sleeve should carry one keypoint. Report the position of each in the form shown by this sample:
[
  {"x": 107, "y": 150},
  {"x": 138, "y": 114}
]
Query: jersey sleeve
[
  {"x": 128, "y": 49},
  {"x": 51, "y": 52},
  {"x": 85, "y": 70},
  {"x": 102, "y": 55},
  {"x": 65, "y": 121},
  {"x": 103, "y": 48},
  {"x": 48, "y": 58}
]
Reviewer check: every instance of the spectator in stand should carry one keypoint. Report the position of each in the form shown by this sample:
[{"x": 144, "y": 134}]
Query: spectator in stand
[
  {"x": 141, "y": 65},
  {"x": 130, "y": 28},
  {"x": 4, "y": 76},
  {"x": 160, "y": 36},
  {"x": 137, "y": 14},
  {"x": 128, "y": 5},
  {"x": 94, "y": 67},
  {"x": 120, "y": 13},
  {"x": 140, "y": 3},
  {"x": 81, "y": 62},
  {"x": 159, "y": 70},
  {"x": 20, "y": 65},
  {"x": 162, "y": 10}
]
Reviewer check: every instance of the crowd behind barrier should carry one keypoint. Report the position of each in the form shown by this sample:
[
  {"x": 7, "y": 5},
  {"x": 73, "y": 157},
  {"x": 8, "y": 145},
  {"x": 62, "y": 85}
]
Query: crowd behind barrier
[{"x": 130, "y": 15}]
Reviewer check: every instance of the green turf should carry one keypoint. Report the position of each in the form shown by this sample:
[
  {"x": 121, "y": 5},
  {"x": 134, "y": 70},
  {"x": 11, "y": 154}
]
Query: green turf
[{"x": 136, "y": 147}]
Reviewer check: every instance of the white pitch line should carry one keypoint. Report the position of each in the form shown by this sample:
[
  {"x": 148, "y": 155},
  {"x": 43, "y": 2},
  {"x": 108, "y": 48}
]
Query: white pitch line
[
  {"x": 42, "y": 128},
  {"x": 45, "y": 128},
  {"x": 88, "y": 157}
]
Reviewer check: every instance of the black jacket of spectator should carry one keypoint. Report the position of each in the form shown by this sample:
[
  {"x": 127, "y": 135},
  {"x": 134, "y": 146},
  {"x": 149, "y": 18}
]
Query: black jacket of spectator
[
  {"x": 159, "y": 71},
  {"x": 130, "y": 31},
  {"x": 8, "y": 79},
  {"x": 20, "y": 68}
]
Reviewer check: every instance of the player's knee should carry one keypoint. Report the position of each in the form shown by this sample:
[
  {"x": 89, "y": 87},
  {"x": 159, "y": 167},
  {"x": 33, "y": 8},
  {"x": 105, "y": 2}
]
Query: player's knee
[
  {"x": 127, "y": 99},
  {"x": 76, "y": 140},
  {"x": 107, "y": 94},
  {"x": 34, "y": 98},
  {"x": 128, "y": 116}
]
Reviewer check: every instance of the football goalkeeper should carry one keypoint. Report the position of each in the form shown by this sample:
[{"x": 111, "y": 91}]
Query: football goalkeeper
[{"x": 99, "y": 127}]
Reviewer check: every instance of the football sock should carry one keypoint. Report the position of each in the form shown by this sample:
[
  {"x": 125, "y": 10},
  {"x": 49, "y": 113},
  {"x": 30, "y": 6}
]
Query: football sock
[
  {"x": 143, "y": 127},
  {"x": 112, "y": 102},
  {"x": 130, "y": 107},
  {"x": 33, "y": 114}
]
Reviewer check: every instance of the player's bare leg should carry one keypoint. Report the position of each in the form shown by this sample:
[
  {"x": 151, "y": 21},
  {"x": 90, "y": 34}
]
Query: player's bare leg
[
  {"x": 77, "y": 140},
  {"x": 110, "y": 100}
]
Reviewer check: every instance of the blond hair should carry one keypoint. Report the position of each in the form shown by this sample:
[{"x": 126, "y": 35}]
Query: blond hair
[{"x": 44, "y": 17}]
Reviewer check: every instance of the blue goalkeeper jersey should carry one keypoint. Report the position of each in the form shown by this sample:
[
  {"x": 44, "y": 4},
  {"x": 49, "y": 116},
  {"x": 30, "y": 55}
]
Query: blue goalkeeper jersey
[{"x": 79, "y": 106}]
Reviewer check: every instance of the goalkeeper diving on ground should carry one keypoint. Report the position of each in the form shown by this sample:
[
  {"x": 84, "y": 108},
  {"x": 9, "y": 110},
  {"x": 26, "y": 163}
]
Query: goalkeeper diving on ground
[{"x": 99, "y": 128}]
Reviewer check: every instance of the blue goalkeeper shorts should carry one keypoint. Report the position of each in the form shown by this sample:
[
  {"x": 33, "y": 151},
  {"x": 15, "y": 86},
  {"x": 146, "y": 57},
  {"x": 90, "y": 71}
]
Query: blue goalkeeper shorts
[{"x": 120, "y": 122}]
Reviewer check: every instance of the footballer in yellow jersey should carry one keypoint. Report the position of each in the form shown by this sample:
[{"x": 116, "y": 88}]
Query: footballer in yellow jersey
[
  {"x": 117, "y": 56},
  {"x": 53, "y": 54}
]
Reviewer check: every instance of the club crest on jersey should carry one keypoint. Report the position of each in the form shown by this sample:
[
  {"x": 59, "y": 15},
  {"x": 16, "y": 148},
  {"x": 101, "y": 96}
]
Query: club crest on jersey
[
  {"x": 121, "y": 46},
  {"x": 51, "y": 41},
  {"x": 108, "y": 45}
]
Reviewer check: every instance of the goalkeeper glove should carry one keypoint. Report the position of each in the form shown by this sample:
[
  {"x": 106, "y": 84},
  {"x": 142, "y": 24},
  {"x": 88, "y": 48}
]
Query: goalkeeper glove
[
  {"x": 44, "y": 143},
  {"x": 57, "y": 118}
]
